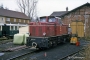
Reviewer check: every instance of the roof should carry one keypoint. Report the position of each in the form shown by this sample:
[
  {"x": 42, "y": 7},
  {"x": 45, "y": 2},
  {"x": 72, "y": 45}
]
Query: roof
[
  {"x": 58, "y": 13},
  {"x": 15, "y": 14},
  {"x": 46, "y": 16},
  {"x": 86, "y": 4}
]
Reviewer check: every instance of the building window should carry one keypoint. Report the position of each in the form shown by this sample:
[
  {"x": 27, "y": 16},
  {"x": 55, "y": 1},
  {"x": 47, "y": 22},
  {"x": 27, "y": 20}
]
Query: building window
[
  {"x": 14, "y": 20},
  {"x": 12, "y": 27},
  {"x": 19, "y": 20},
  {"x": 15, "y": 27},
  {"x": 0, "y": 28},
  {"x": 2, "y": 18},
  {"x": 24, "y": 21},
  {"x": 20, "y": 26},
  {"x": 7, "y": 19}
]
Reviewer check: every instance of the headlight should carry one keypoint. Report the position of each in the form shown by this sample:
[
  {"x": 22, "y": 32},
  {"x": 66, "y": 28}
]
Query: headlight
[{"x": 44, "y": 34}]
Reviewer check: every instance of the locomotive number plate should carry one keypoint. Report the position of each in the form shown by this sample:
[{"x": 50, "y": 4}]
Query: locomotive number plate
[{"x": 32, "y": 39}]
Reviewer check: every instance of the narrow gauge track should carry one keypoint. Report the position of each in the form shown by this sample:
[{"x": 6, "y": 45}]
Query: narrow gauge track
[{"x": 16, "y": 54}]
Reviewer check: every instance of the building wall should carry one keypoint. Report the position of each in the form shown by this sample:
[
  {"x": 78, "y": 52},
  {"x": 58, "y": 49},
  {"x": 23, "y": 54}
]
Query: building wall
[
  {"x": 2, "y": 19},
  {"x": 16, "y": 20},
  {"x": 24, "y": 29},
  {"x": 11, "y": 19},
  {"x": 26, "y": 21},
  {"x": 82, "y": 14}
]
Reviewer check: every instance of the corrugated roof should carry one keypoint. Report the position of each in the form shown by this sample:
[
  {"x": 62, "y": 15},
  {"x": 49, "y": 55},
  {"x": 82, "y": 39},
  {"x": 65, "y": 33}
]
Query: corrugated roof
[
  {"x": 58, "y": 13},
  {"x": 15, "y": 14}
]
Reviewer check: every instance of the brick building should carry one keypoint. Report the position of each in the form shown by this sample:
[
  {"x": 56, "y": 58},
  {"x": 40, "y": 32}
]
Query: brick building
[{"x": 81, "y": 13}]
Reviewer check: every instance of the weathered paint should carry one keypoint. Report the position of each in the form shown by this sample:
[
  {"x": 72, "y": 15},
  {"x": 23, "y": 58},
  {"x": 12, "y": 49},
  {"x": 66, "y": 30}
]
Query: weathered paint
[
  {"x": 82, "y": 14},
  {"x": 77, "y": 28}
]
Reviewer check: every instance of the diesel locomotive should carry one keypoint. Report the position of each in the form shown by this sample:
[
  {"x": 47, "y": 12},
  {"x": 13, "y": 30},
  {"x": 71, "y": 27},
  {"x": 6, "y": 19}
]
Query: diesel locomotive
[{"x": 47, "y": 32}]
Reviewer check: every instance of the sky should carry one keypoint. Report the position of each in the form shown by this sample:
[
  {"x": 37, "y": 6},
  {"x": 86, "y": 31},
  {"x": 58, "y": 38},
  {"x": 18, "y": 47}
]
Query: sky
[{"x": 46, "y": 7}]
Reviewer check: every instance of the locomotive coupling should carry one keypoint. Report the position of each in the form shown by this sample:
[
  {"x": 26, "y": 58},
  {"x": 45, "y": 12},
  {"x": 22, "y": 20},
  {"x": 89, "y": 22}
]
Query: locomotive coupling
[{"x": 34, "y": 44}]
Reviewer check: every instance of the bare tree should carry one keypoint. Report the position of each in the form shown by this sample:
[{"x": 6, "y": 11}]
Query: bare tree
[
  {"x": 28, "y": 7},
  {"x": 1, "y": 6}
]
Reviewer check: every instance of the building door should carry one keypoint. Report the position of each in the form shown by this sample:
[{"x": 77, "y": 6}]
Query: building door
[
  {"x": 5, "y": 30},
  {"x": 77, "y": 28}
]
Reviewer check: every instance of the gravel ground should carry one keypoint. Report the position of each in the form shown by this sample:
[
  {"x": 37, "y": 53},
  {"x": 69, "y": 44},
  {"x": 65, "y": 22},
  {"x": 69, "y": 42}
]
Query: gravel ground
[
  {"x": 7, "y": 45},
  {"x": 55, "y": 53},
  {"x": 10, "y": 55},
  {"x": 5, "y": 41}
]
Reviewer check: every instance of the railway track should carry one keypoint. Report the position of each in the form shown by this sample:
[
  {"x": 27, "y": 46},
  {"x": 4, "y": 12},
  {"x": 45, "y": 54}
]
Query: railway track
[
  {"x": 23, "y": 52},
  {"x": 9, "y": 47},
  {"x": 71, "y": 56},
  {"x": 15, "y": 48},
  {"x": 58, "y": 53},
  {"x": 5, "y": 41},
  {"x": 30, "y": 54},
  {"x": 16, "y": 54},
  {"x": 41, "y": 55}
]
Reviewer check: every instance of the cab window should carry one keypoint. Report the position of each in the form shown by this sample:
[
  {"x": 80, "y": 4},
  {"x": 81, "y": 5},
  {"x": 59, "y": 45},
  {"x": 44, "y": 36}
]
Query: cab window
[
  {"x": 42, "y": 19},
  {"x": 52, "y": 20}
]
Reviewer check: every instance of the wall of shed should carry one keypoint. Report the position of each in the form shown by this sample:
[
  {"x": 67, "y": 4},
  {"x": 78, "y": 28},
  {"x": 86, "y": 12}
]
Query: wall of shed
[
  {"x": 82, "y": 14},
  {"x": 24, "y": 29}
]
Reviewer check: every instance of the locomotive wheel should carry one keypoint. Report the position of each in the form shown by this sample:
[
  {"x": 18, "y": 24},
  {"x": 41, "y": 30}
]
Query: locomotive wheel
[{"x": 34, "y": 44}]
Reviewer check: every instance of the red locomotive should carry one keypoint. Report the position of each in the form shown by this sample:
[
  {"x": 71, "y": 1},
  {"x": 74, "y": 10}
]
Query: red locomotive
[{"x": 47, "y": 32}]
